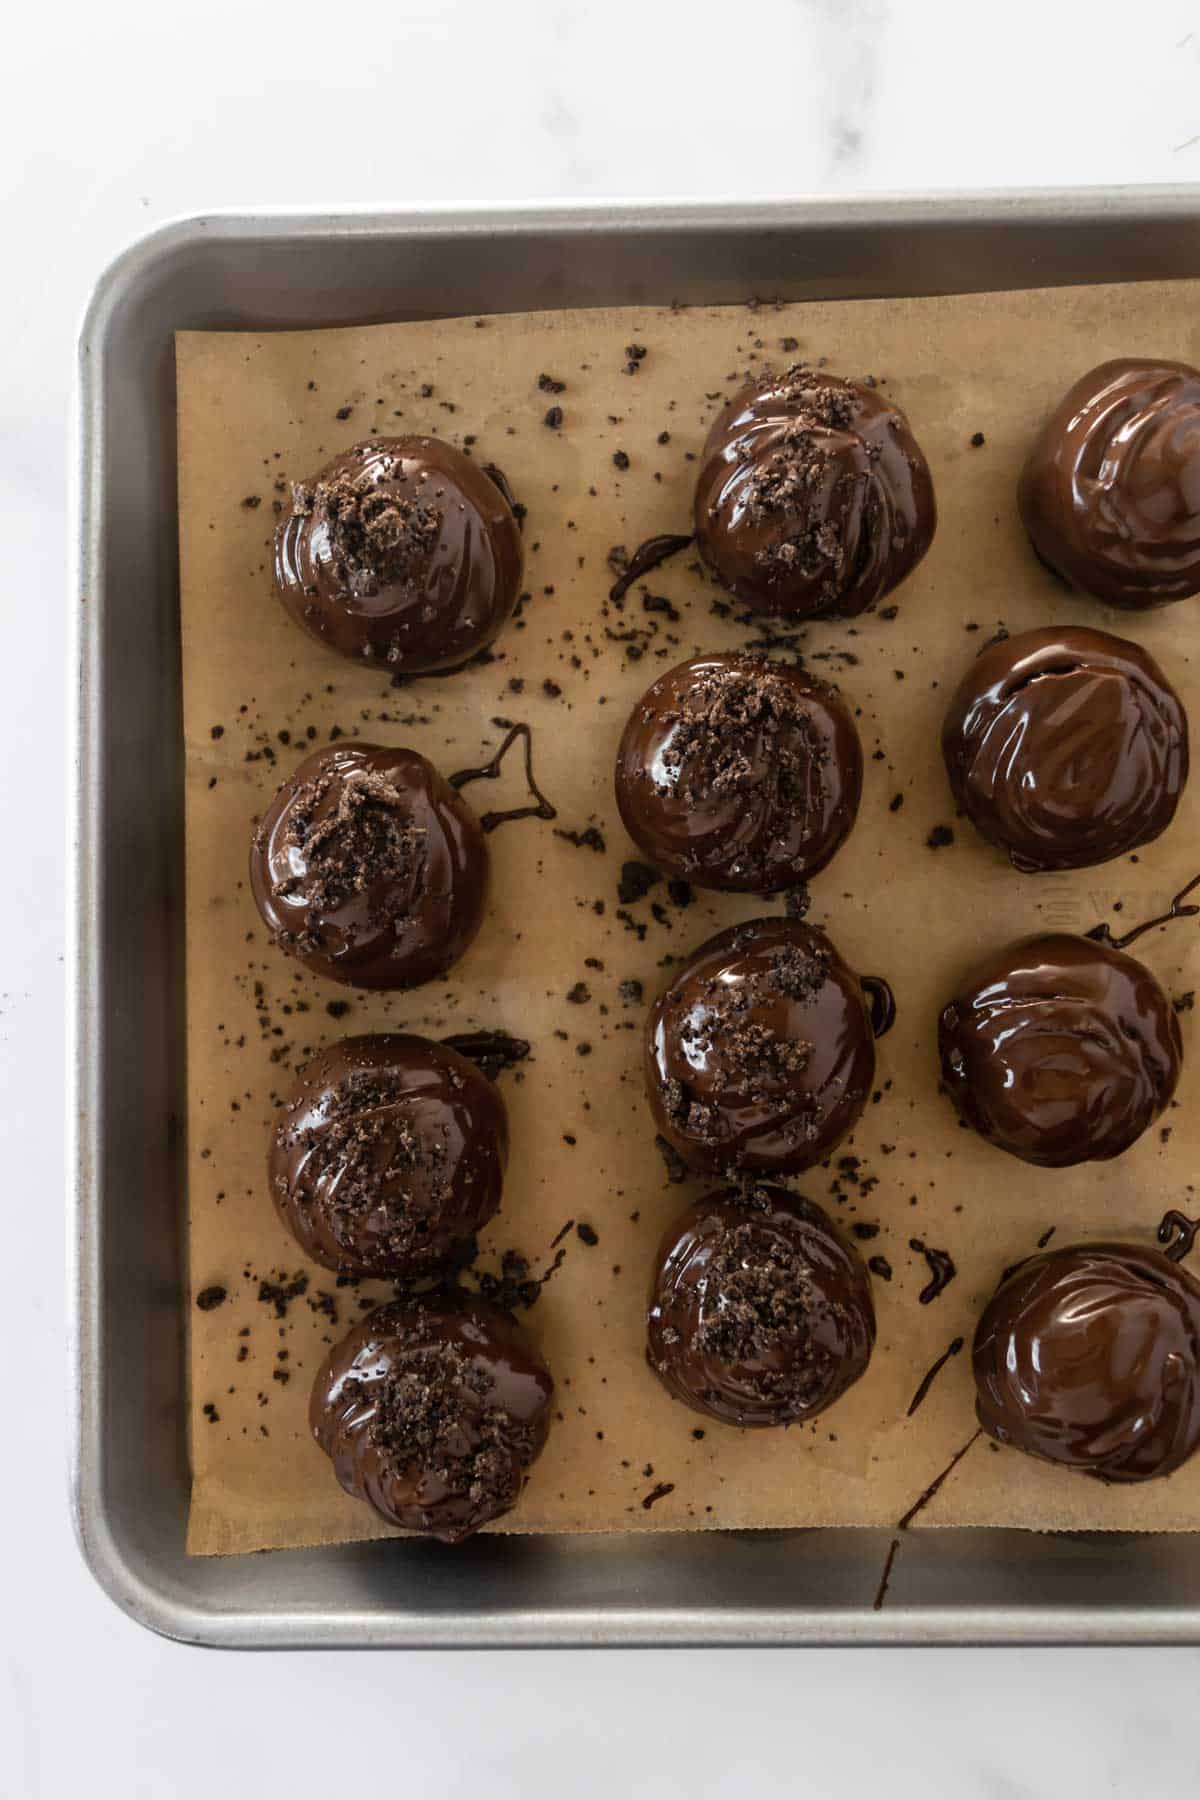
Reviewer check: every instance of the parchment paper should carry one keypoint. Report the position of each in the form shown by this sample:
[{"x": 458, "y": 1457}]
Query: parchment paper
[{"x": 255, "y": 412}]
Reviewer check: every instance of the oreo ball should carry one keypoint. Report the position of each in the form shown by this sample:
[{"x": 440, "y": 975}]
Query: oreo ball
[
  {"x": 813, "y": 499},
  {"x": 761, "y": 1054},
  {"x": 369, "y": 867},
  {"x": 433, "y": 1411},
  {"x": 1060, "y": 1050},
  {"x": 402, "y": 553},
  {"x": 760, "y": 1314},
  {"x": 738, "y": 773},
  {"x": 1110, "y": 491},
  {"x": 388, "y": 1156},
  {"x": 1089, "y": 1357},
  {"x": 1066, "y": 747}
]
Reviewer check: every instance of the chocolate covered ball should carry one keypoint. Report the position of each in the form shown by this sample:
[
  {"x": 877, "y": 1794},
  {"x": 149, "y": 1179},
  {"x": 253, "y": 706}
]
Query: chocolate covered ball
[
  {"x": 1060, "y": 1050},
  {"x": 388, "y": 1156},
  {"x": 735, "y": 772},
  {"x": 760, "y": 1314},
  {"x": 1110, "y": 491},
  {"x": 761, "y": 1053},
  {"x": 1066, "y": 747},
  {"x": 369, "y": 867},
  {"x": 1089, "y": 1357},
  {"x": 433, "y": 1411},
  {"x": 402, "y": 552},
  {"x": 813, "y": 499}
]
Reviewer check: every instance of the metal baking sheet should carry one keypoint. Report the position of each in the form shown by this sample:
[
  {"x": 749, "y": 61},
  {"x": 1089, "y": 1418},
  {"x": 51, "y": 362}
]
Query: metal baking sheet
[{"x": 129, "y": 1465}]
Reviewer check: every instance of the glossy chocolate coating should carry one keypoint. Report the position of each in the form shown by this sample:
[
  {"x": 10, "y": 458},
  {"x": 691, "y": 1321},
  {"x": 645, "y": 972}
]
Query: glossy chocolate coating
[
  {"x": 1088, "y": 1357},
  {"x": 813, "y": 499},
  {"x": 759, "y": 1313},
  {"x": 1066, "y": 747},
  {"x": 1110, "y": 491},
  {"x": 1060, "y": 1050},
  {"x": 433, "y": 1411},
  {"x": 401, "y": 552},
  {"x": 735, "y": 772},
  {"x": 388, "y": 1156},
  {"x": 761, "y": 1054},
  {"x": 369, "y": 868}
]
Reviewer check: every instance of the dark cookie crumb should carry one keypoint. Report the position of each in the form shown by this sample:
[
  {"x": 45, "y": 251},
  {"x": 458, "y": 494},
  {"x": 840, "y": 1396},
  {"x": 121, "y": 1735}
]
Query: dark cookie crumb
[
  {"x": 675, "y": 1166},
  {"x": 210, "y": 1297},
  {"x": 591, "y": 838},
  {"x": 281, "y": 1292},
  {"x": 637, "y": 878}
]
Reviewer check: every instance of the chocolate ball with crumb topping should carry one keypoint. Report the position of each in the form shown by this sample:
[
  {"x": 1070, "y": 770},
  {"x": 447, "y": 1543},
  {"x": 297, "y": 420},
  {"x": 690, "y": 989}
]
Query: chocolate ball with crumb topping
[
  {"x": 433, "y": 1411},
  {"x": 388, "y": 1156},
  {"x": 814, "y": 499},
  {"x": 403, "y": 553},
  {"x": 739, "y": 773},
  {"x": 760, "y": 1314},
  {"x": 369, "y": 867},
  {"x": 760, "y": 1055}
]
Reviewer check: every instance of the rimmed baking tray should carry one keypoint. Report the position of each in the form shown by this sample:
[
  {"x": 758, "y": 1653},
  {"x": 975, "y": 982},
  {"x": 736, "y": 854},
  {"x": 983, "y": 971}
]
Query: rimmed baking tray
[{"x": 129, "y": 1452}]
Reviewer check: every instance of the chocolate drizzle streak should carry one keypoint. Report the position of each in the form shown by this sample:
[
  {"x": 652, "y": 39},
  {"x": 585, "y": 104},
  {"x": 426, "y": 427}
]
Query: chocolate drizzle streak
[
  {"x": 499, "y": 479},
  {"x": 646, "y": 558},
  {"x": 930, "y": 1376},
  {"x": 918, "y": 1506},
  {"x": 1178, "y": 1232},
  {"x": 941, "y": 1269},
  {"x": 934, "y": 1487},
  {"x": 881, "y": 1002},
  {"x": 490, "y": 771},
  {"x": 1101, "y": 934},
  {"x": 657, "y": 1493},
  {"x": 885, "y": 1578}
]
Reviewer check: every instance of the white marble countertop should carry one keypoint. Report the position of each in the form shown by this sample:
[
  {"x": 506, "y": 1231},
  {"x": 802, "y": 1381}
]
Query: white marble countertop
[{"x": 120, "y": 115}]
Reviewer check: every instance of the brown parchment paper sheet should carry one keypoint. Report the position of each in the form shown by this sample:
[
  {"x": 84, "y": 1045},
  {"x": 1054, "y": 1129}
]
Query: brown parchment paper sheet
[{"x": 255, "y": 412}]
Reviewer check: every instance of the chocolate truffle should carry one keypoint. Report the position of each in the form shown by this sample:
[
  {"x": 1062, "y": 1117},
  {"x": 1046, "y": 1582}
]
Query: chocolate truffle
[
  {"x": 1060, "y": 1050},
  {"x": 735, "y": 772},
  {"x": 388, "y": 1156},
  {"x": 1066, "y": 747},
  {"x": 760, "y": 1314},
  {"x": 813, "y": 499},
  {"x": 432, "y": 1411},
  {"x": 761, "y": 1054},
  {"x": 402, "y": 552},
  {"x": 1088, "y": 1357},
  {"x": 1110, "y": 491},
  {"x": 369, "y": 868}
]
